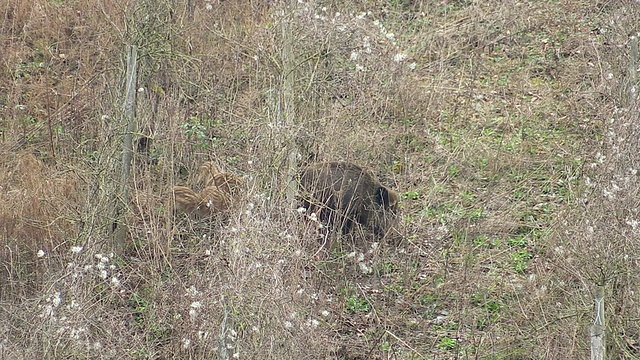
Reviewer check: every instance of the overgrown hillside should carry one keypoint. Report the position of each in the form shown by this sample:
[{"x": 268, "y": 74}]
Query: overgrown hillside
[{"x": 508, "y": 127}]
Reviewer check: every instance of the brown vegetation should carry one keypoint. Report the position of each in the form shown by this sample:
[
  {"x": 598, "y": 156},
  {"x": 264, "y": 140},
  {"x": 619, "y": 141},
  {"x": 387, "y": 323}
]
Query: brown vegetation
[
  {"x": 40, "y": 207},
  {"x": 507, "y": 125},
  {"x": 342, "y": 194}
]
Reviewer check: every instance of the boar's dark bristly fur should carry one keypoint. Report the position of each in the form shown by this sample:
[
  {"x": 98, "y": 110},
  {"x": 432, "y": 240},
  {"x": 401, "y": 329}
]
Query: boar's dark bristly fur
[{"x": 342, "y": 194}]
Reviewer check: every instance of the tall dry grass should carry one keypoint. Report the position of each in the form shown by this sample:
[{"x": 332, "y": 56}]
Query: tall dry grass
[{"x": 505, "y": 125}]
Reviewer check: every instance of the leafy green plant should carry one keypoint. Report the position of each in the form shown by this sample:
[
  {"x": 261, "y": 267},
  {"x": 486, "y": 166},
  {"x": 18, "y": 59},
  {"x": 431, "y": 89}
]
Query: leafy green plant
[
  {"x": 387, "y": 267},
  {"x": 482, "y": 323},
  {"x": 485, "y": 242},
  {"x": 444, "y": 212},
  {"x": 519, "y": 241},
  {"x": 394, "y": 289},
  {"x": 520, "y": 260},
  {"x": 447, "y": 343},
  {"x": 518, "y": 194},
  {"x": 139, "y": 354},
  {"x": 411, "y": 195},
  {"x": 492, "y": 306},
  {"x": 356, "y": 304},
  {"x": 195, "y": 128},
  {"x": 233, "y": 160},
  {"x": 477, "y": 214},
  {"x": 140, "y": 306},
  {"x": 467, "y": 195}
]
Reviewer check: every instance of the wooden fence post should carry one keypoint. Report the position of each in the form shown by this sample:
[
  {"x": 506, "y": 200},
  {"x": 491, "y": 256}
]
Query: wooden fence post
[
  {"x": 598, "y": 327},
  {"x": 289, "y": 106},
  {"x": 127, "y": 146}
]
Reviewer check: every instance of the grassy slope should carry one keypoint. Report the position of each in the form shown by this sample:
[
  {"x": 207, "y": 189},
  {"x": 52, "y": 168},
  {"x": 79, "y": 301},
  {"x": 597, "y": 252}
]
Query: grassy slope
[{"x": 489, "y": 123}]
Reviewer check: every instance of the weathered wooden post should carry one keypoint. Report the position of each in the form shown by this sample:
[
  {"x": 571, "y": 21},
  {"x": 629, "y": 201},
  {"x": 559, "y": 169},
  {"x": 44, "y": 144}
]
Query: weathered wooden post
[
  {"x": 633, "y": 71},
  {"x": 127, "y": 145},
  {"x": 289, "y": 109},
  {"x": 598, "y": 327}
]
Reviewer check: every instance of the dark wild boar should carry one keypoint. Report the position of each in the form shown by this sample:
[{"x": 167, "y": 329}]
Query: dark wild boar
[{"x": 342, "y": 194}]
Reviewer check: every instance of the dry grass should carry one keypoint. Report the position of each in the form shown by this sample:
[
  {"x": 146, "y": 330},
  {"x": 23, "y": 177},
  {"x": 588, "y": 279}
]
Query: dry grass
[{"x": 506, "y": 127}]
